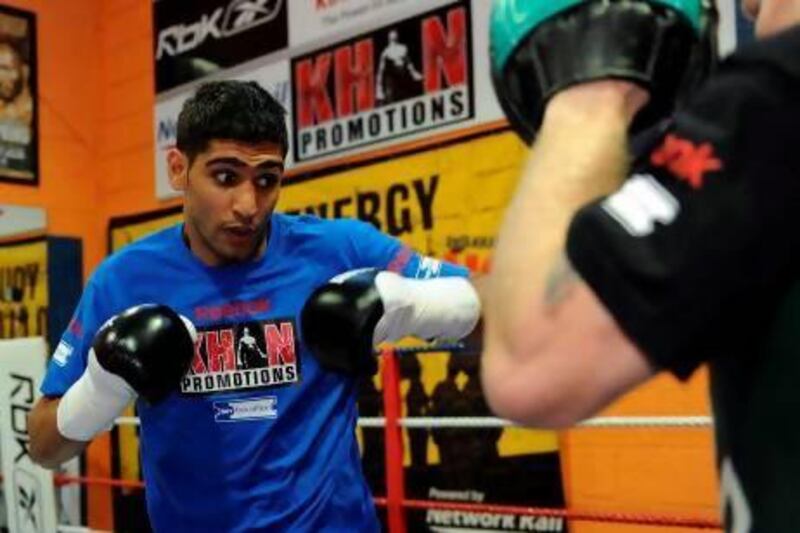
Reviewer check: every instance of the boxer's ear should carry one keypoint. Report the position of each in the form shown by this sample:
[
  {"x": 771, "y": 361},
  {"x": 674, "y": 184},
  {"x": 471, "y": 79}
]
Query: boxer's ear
[{"x": 178, "y": 169}]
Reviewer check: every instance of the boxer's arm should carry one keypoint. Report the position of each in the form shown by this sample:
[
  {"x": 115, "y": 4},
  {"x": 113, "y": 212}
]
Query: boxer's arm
[
  {"x": 553, "y": 354},
  {"x": 127, "y": 359},
  {"x": 47, "y": 446}
]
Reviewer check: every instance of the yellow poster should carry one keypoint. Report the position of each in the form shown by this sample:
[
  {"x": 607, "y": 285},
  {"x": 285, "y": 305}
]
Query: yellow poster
[
  {"x": 123, "y": 233},
  {"x": 23, "y": 289},
  {"x": 445, "y": 202}
]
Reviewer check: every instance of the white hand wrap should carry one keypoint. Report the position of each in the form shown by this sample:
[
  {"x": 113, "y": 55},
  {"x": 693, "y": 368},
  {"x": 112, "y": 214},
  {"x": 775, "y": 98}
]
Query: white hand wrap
[
  {"x": 438, "y": 308},
  {"x": 92, "y": 403}
]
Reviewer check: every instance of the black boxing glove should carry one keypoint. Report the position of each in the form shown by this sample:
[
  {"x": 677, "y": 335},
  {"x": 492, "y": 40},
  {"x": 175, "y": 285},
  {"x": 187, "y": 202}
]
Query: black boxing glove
[
  {"x": 144, "y": 351},
  {"x": 539, "y": 47},
  {"x": 345, "y": 319}
]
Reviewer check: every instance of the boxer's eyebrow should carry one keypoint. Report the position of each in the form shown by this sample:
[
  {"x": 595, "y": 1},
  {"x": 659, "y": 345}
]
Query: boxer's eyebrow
[{"x": 238, "y": 163}]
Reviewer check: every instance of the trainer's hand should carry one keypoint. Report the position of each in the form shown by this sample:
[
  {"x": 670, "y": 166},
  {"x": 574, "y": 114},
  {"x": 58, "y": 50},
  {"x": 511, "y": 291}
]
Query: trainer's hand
[
  {"x": 612, "y": 104},
  {"x": 344, "y": 319},
  {"x": 143, "y": 351}
]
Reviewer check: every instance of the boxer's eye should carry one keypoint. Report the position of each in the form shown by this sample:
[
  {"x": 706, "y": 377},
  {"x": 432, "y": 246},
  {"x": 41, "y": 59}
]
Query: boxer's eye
[
  {"x": 267, "y": 181},
  {"x": 224, "y": 177}
]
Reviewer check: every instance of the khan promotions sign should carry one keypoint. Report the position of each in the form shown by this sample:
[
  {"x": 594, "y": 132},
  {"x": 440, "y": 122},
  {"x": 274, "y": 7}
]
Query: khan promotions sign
[{"x": 409, "y": 77}]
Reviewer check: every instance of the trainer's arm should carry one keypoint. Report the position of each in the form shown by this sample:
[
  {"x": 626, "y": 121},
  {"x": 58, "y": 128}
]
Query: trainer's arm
[
  {"x": 47, "y": 446},
  {"x": 553, "y": 354}
]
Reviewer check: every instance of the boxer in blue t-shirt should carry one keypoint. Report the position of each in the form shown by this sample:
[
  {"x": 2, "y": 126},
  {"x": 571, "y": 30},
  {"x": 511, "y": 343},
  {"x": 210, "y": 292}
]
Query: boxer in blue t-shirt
[{"x": 221, "y": 329}]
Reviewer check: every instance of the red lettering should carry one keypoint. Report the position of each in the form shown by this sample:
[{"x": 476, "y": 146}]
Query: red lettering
[
  {"x": 313, "y": 101},
  {"x": 259, "y": 306},
  {"x": 231, "y": 309},
  {"x": 219, "y": 347},
  {"x": 687, "y": 161},
  {"x": 473, "y": 261},
  {"x": 354, "y": 77},
  {"x": 280, "y": 343},
  {"x": 198, "y": 366},
  {"x": 444, "y": 51}
]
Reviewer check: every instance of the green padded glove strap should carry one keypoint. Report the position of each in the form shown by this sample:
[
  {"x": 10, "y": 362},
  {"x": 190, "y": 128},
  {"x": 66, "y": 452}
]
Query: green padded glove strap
[{"x": 512, "y": 20}]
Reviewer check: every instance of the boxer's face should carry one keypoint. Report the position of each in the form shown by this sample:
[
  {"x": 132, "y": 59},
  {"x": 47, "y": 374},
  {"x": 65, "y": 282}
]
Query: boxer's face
[
  {"x": 772, "y": 16},
  {"x": 230, "y": 191}
]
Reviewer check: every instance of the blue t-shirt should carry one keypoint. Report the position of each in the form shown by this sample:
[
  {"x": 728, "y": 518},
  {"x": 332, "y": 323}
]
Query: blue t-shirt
[{"x": 258, "y": 438}]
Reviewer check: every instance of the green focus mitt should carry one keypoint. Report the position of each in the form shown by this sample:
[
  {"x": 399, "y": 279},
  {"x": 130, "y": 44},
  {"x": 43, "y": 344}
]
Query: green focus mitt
[{"x": 539, "y": 47}]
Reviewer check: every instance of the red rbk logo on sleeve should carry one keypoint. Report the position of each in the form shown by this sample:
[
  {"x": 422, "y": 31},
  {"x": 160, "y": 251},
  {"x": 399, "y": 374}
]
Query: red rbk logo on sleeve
[{"x": 689, "y": 162}]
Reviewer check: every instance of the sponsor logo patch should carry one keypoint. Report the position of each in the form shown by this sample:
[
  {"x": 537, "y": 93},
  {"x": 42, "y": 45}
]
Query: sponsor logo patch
[
  {"x": 428, "y": 268},
  {"x": 243, "y": 410},
  {"x": 640, "y": 204},
  {"x": 62, "y": 353}
]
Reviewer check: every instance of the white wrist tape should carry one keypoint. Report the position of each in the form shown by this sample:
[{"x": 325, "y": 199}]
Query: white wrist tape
[
  {"x": 92, "y": 403},
  {"x": 438, "y": 308}
]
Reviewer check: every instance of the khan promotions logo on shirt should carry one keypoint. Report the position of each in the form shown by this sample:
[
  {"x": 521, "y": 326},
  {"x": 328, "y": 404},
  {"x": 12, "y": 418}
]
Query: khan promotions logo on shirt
[
  {"x": 405, "y": 78},
  {"x": 249, "y": 355}
]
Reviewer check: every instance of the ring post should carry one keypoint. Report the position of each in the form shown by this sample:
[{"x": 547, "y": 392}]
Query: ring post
[{"x": 393, "y": 433}]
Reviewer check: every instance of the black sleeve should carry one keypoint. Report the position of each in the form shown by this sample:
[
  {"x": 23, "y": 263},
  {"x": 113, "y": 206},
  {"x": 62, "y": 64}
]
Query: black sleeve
[{"x": 691, "y": 255}]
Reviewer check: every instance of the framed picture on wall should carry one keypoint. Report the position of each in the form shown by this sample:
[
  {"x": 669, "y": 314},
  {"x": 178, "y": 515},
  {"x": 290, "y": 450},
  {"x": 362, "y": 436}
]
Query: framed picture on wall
[{"x": 19, "y": 135}]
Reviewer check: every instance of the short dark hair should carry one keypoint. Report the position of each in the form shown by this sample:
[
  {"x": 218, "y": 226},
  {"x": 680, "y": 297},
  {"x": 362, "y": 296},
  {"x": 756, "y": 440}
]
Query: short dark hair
[{"x": 230, "y": 109}]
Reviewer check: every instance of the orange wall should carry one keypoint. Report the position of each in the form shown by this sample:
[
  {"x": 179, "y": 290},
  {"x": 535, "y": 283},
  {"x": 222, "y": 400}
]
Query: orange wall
[
  {"x": 69, "y": 75},
  {"x": 95, "y": 113},
  {"x": 127, "y": 80},
  {"x": 69, "y": 72},
  {"x": 663, "y": 471},
  {"x": 96, "y": 142}
]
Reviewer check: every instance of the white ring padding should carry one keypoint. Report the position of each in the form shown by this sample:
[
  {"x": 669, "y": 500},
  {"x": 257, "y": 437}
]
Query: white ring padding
[
  {"x": 64, "y": 528},
  {"x": 493, "y": 422}
]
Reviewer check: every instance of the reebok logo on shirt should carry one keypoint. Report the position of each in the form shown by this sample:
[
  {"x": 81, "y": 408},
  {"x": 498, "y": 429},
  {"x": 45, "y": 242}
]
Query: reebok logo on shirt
[{"x": 689, "y": 162}]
